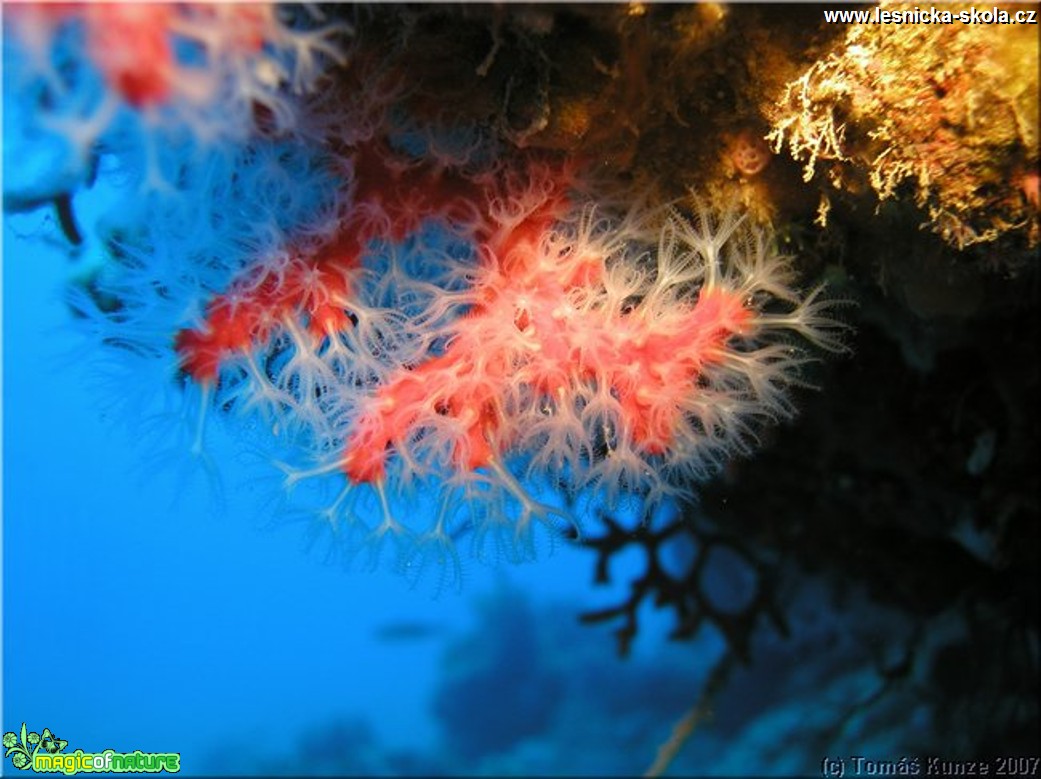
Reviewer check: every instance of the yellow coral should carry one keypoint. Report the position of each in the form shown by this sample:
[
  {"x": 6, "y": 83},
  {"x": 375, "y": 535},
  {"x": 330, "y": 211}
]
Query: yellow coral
[{"x": 944, "y": 114}]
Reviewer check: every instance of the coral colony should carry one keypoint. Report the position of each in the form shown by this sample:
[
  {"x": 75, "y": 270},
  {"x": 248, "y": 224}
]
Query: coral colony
[{"x": 467, "y": 337}]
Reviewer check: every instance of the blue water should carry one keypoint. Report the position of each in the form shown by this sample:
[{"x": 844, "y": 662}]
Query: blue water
[
  {"x": 140, "y": 614},
  {"x": 152, "y": 602}
]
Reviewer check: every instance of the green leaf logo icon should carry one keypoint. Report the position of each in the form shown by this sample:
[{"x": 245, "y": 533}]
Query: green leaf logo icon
[{"x": 22, "y": 747}]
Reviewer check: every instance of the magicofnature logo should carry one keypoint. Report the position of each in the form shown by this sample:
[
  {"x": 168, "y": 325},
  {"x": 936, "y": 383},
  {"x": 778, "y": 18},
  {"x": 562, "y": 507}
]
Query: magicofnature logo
[{"x": 45, "y": 752}]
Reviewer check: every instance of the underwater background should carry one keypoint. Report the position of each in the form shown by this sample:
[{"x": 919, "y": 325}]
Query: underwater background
[
  {"x": 806, "y": 543},
  {"x": 138, "y": 617}
]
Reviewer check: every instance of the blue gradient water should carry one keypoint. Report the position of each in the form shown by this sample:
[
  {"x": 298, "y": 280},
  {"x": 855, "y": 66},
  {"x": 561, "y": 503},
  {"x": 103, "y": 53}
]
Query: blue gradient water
[
  {"x": 143, "y": 609},
  {"x": 139, "y": 615}
]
